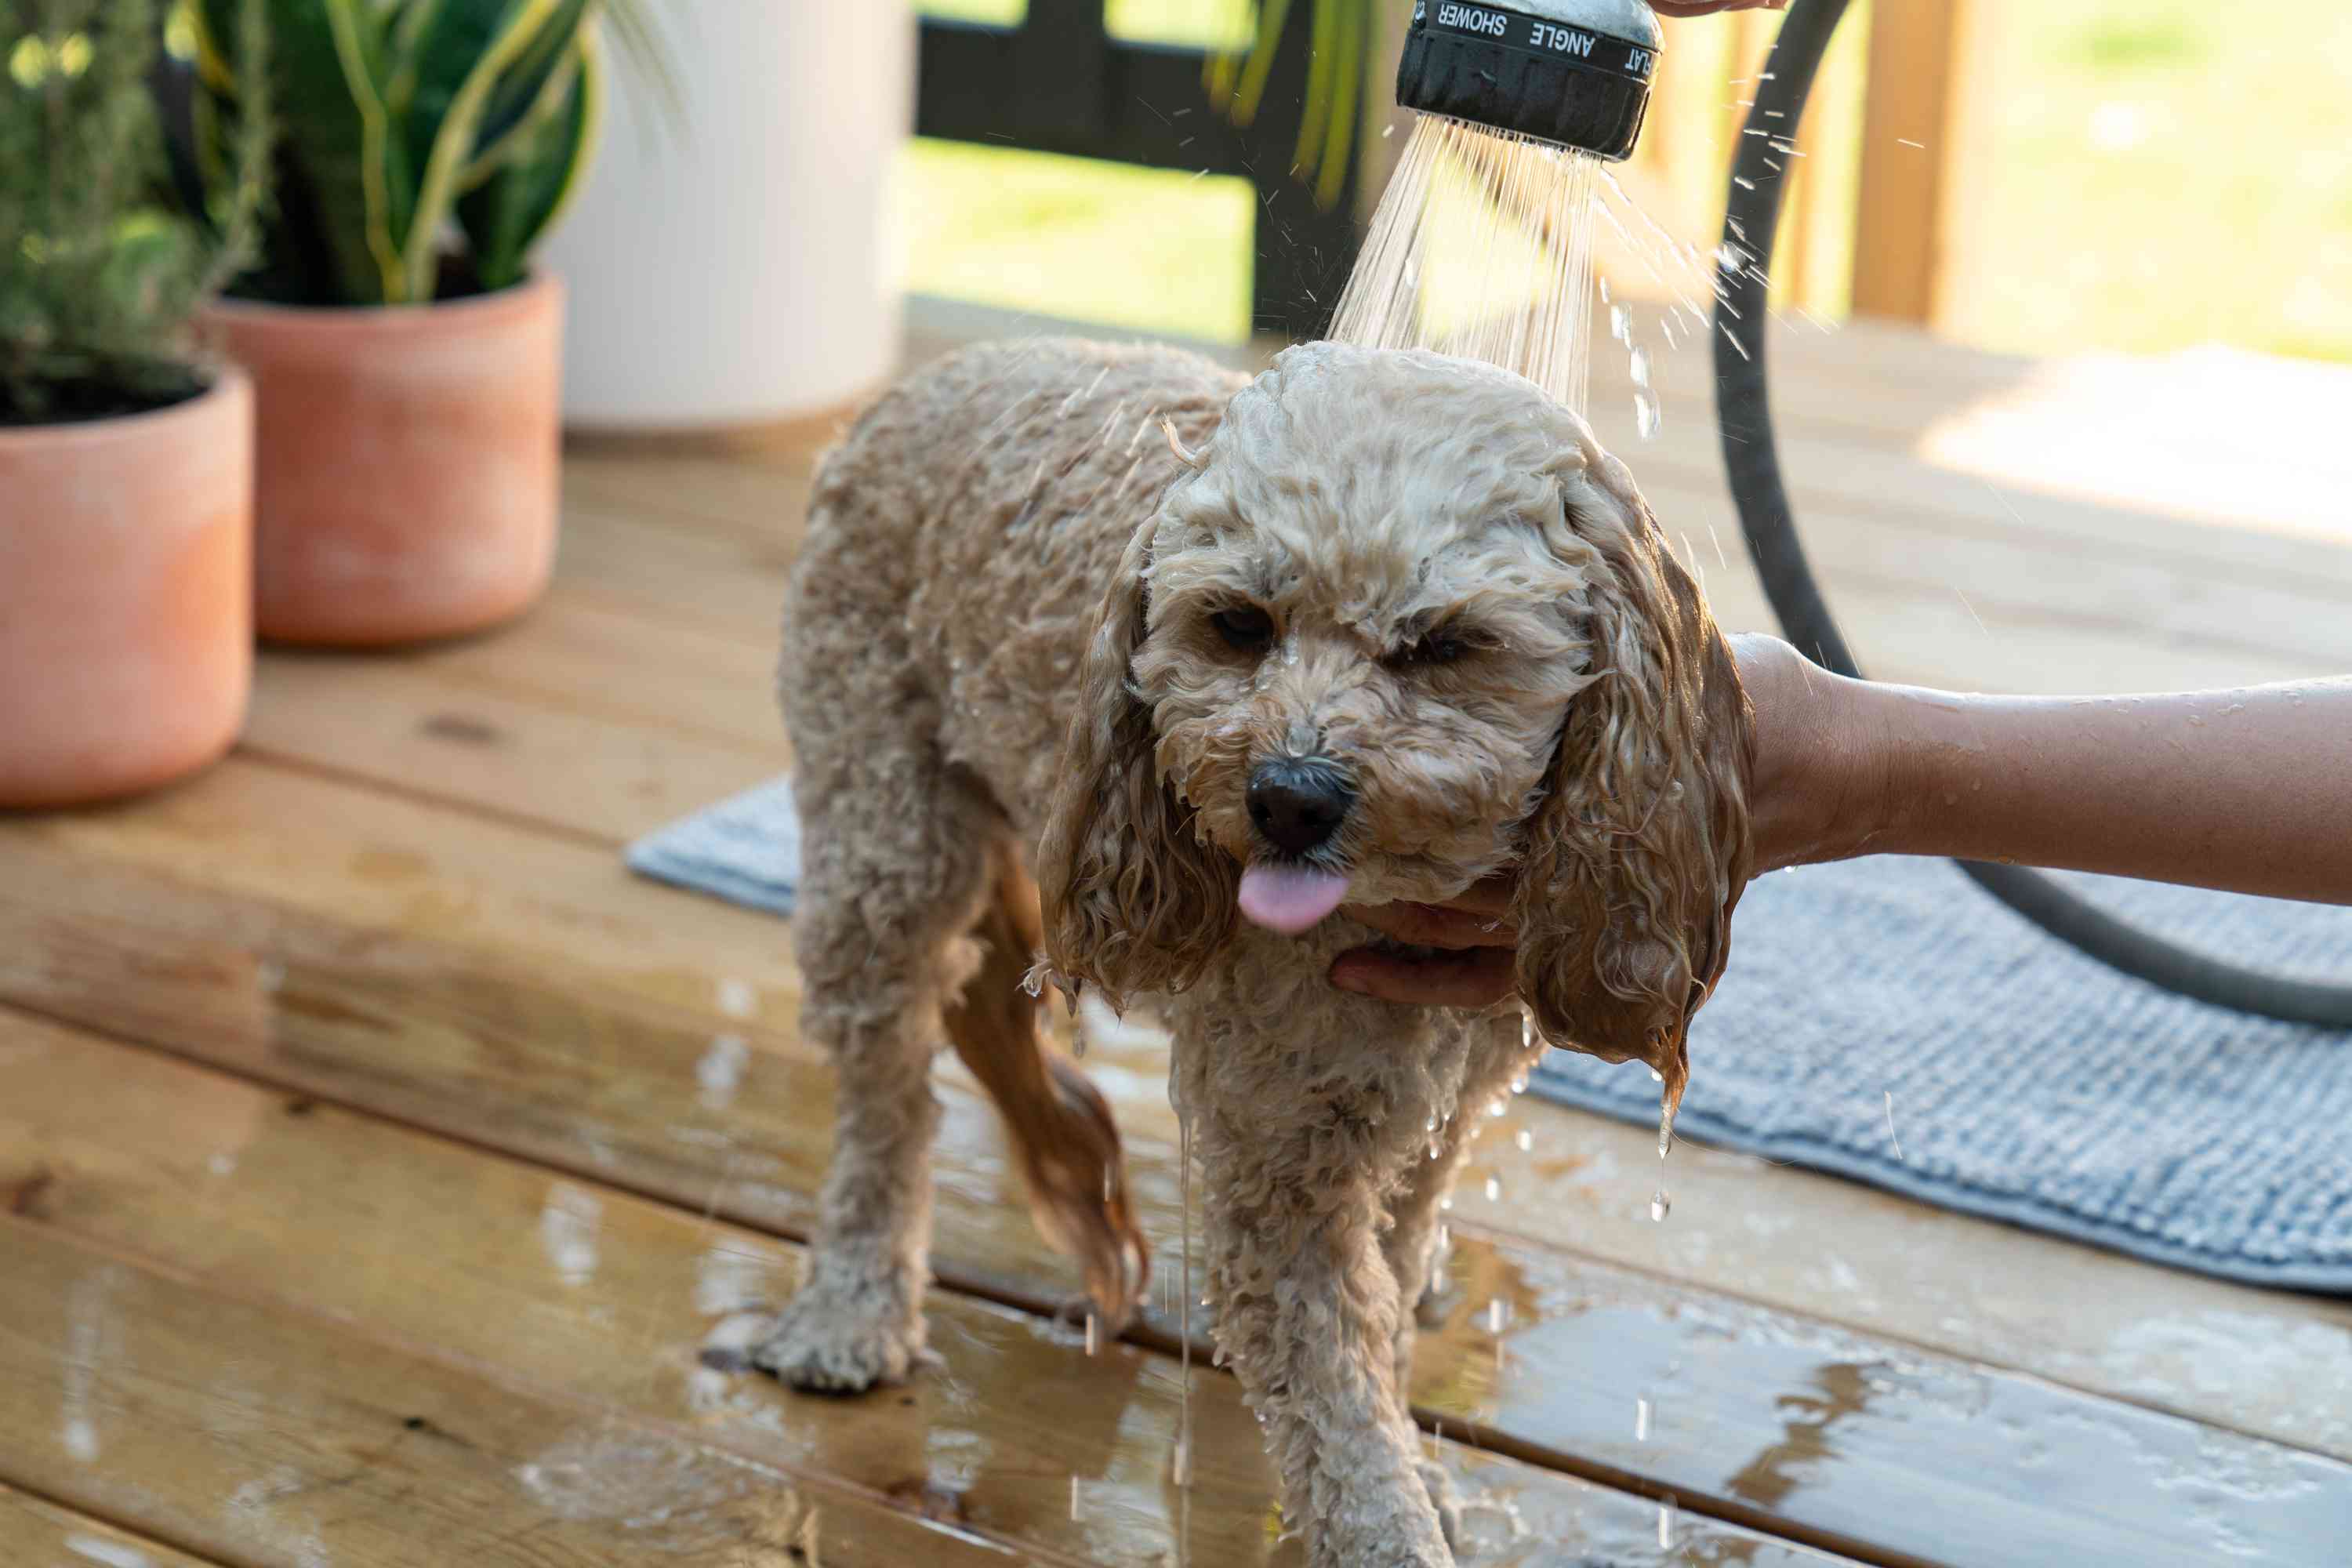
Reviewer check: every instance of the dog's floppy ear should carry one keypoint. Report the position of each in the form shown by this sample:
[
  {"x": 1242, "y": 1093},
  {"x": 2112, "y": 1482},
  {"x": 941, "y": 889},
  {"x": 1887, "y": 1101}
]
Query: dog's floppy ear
[
  {"x": 1133, "y": 901},
  {"x": 1642, "y": 847}
]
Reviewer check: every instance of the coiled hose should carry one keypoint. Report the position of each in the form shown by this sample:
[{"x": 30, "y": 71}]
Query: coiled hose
[{"x": 1751, "y": 455}]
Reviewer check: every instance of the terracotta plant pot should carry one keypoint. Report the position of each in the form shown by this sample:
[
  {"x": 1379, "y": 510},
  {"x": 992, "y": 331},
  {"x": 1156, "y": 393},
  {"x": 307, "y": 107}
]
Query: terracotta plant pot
[
  {"x": 408, "y": 462},
  {"x": 126, "y": 598}
]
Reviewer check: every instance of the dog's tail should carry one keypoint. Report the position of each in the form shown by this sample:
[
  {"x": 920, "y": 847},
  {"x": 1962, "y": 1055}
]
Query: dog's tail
[{"x": 1061, "y": 1130}]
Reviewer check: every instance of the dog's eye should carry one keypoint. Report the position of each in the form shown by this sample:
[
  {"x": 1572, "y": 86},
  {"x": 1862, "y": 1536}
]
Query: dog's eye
[{"x": 1245, "y": 628}]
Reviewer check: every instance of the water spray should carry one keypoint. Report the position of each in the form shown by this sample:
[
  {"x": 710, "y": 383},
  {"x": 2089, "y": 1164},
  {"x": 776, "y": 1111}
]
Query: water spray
[{"x": 1483, "y": 243}]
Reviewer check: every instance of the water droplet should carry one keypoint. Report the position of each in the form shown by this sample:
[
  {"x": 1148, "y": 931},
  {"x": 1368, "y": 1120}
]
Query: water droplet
[
  {"x": 1495, "y": 1110},
  {"x": 1666, "y": 1527},
  {"x": 1646, "y": 415},
  {"x": 1641, "y": 1420},
  {"x": 1094, "y": 1333},
  {"x": 1430, "y": 1125},
  {"x": 1520, "y": 1084},
  {"x": 1498, "y": 1315},
  {"x": 1641, "y": 367},
  {"x": 1435, "y": 1150},
  {"x": 1620, "y": 324},
  {"x": 1445, "y": 1204},
  {"x": 1494, "y": 1189},
  {"x": 1526, "y": 1141},
  {"x": 1660, "y": 1205}
]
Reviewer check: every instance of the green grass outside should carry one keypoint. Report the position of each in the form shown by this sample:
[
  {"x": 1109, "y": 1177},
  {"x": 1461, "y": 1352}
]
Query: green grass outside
[
  {"x": 2166, "y": 173},
  {"x": 1141, "y": 250}
]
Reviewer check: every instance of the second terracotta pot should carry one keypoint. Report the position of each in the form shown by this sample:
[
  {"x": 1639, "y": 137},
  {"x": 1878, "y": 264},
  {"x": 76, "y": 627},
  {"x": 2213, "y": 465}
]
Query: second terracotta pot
[{"x": 407, "y": 466}]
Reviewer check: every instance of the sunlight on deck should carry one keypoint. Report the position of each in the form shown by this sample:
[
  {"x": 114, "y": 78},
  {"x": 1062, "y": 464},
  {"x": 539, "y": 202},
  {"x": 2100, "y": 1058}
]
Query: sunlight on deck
[{"x": 2211, "y": 434}]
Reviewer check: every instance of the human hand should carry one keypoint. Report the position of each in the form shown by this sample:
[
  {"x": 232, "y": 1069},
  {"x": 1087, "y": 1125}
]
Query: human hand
[{"x": 1479, "y": 950}]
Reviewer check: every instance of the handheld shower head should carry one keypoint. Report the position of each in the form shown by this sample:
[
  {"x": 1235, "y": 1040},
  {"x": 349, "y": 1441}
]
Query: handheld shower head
[{"x": 1572, "y": 72}]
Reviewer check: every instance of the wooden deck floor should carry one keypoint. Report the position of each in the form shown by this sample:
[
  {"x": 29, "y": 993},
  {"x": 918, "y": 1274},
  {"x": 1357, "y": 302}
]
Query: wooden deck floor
[{"x": 374, "y": 1151}]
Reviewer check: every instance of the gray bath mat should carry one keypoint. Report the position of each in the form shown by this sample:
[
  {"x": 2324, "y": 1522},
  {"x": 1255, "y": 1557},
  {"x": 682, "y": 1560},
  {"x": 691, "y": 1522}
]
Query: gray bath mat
[
  {"x": 746, "y": 849},
  {"x": 1887, "y": 1021}
]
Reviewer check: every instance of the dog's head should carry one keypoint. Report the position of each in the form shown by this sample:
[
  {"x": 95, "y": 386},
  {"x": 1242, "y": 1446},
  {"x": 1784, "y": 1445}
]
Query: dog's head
[{"x": 1402, "y": 625}]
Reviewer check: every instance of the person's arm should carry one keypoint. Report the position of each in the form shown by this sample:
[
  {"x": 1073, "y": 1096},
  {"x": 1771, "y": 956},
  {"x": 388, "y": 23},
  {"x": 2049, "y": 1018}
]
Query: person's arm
[{"x": 2249, "y": 791}]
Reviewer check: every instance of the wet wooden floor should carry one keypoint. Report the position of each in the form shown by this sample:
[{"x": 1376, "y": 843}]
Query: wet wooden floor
[{"x": 374, "y": 1151}]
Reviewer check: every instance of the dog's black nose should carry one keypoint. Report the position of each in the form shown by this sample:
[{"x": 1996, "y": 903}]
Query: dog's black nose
[{"x": 1299, "y": 802}]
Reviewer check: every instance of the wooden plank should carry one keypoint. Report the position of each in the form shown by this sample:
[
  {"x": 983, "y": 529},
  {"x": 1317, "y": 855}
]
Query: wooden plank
[
  {"x": 543, "y": 1061},
  {"x": 249, "y": 837},
  {"x": 762, "y": 499},
  {"x": 1914, "y": 135},
  {"x": 679, "y": 576},
  {"x": 37, "y": 1535},
  {"x": 276, "y": 1439},
  {"x": 2269, "y": 1362},
  {"x": 604, "y": 1300},
  {"x": 412, "y": 725}
]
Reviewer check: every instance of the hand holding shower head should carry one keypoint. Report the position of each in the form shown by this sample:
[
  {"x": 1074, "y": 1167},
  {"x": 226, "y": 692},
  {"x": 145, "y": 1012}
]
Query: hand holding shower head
[{"x": 1575, "y": 73}]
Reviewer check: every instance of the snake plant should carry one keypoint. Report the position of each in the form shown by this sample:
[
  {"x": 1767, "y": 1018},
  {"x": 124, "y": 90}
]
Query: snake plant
[{"x": 407, "y": 121}]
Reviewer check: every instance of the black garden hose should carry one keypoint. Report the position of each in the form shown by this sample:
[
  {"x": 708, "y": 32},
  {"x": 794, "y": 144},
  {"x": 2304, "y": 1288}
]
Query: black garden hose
[{"x": 1751, "y": 454}]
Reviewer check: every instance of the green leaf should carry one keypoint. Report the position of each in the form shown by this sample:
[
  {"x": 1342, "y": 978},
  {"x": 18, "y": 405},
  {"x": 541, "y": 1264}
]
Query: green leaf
[
  {"x": 328, "y": 77},
  {"x": 458, "y": 60},
  {"x": 506, "y": 213},
  {"x": 521, "y": 86}
]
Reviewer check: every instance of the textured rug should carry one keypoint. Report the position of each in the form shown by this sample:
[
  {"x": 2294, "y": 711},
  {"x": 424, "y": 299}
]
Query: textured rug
[{"x": 1887, "y": 1021}]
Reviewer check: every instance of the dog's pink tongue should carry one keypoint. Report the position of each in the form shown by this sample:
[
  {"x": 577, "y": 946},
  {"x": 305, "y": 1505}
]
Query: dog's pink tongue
[{"x": 1290, "y": 899}]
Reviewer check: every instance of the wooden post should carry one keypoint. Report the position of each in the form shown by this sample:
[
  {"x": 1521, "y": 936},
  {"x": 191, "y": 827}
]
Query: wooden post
[{"x": 1915, "y": 151}]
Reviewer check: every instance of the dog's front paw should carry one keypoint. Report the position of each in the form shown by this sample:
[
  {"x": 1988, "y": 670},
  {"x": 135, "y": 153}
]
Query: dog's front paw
[{"x": 829, "y": 1343}]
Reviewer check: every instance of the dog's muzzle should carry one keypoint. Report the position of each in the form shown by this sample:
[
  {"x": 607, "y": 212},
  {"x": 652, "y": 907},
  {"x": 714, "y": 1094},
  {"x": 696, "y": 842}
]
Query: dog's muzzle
[{"x": 1298, "y": 803}]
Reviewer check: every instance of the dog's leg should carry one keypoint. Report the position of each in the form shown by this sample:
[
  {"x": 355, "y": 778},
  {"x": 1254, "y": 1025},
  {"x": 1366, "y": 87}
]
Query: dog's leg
[
  {"x": 1060, "y": 1126},
  {"x": 1307, "y": 1313},
  {"x": 1415, "y": 1254},
  {"x": 897, "y": 852},
  {"x": 1415, "y": 1246}
]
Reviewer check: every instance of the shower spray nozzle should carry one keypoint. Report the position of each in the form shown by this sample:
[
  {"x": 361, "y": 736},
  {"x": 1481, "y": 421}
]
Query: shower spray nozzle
[{"x": 1572, "y": 72}]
